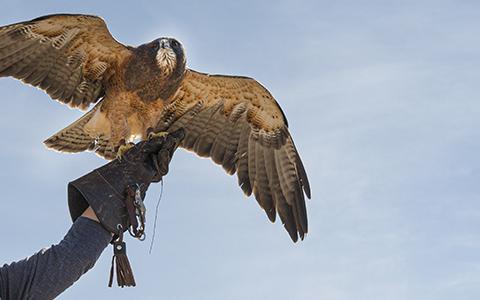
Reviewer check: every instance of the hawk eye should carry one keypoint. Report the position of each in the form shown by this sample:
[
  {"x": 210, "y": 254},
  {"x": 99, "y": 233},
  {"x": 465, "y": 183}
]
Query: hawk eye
[
  {"x": 174, "y": 43},
  {"x": 155, "y": 46}
]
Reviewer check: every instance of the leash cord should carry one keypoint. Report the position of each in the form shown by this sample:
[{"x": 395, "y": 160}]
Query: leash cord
[{"x": 155, "y": 222}]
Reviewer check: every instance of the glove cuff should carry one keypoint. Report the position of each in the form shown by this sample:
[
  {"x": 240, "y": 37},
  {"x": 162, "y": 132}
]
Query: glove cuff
[{"x": 106, "y": 201}]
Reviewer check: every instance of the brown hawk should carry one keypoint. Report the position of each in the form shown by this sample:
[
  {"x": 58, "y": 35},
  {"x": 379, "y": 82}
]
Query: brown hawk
[{"x": 136, "y": 91}]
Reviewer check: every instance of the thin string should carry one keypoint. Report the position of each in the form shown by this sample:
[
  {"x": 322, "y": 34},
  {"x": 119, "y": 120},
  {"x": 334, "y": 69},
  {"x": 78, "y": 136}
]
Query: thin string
[{"x": 156, "y": 215}]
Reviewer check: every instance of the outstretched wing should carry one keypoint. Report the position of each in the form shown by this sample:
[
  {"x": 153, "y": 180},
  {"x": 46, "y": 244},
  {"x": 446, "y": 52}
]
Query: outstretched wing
[
  {"x": 237, "y": 122},
  {"x": 69, "y": 56}
]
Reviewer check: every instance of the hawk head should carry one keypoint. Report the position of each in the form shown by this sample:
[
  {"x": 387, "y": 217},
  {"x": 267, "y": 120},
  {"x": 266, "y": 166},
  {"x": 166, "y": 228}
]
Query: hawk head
[
  {"x": 156, "y": 69},
  {"x": 170, "y": 56}
]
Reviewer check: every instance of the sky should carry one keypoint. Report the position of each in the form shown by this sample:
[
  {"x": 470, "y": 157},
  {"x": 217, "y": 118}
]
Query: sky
[{"x": 382, "y": 99}]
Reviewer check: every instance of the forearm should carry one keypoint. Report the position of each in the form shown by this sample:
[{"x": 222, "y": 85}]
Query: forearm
[{"x": 49, "y": 272}]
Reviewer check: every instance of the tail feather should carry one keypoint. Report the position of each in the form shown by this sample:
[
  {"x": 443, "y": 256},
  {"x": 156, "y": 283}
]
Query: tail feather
[
  {"x": 105, "y": 149},
  {"x": 74, "y": 138}
]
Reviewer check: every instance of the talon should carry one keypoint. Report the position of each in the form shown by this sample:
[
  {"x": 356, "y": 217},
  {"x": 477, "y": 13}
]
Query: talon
[
  {"x": 160, "y": 134},
  {"x": 123, "y": 149}
]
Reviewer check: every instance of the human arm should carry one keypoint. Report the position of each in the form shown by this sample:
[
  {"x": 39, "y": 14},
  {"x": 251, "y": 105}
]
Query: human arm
[{"x": 50, "y": 271}]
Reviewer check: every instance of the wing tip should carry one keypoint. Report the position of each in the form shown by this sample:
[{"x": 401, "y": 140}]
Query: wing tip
[{"x": 298, "y": 235}]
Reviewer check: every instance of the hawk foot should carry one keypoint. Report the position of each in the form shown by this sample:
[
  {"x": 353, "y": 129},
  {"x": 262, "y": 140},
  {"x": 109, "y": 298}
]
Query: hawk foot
[
  {"x": 160, "y": 134},
  {"x": 123, "y": 149}
]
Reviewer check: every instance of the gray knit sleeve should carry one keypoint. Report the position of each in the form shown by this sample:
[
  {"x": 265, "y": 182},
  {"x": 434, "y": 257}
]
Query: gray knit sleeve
[{"x": 49, "y": 272}]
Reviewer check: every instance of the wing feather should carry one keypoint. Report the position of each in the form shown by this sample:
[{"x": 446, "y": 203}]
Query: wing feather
[
  {"x": 231, "y": 140},
  {"x": 70, "y": 57},
  {"x": 251, "y": 162},
  {"x": 262, "y": 189},
  {"x": 208, "y": 132},
  {"x": 236, "y": 122},
  {"x": 242, "y": 160}
]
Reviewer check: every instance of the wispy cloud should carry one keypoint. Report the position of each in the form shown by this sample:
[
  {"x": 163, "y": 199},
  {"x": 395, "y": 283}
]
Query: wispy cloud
[{"x": 382, "y": 98}]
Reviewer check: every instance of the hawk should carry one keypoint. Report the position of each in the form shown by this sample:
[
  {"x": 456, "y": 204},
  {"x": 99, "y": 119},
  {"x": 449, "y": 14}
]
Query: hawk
[{"x": 137, "y": 91}]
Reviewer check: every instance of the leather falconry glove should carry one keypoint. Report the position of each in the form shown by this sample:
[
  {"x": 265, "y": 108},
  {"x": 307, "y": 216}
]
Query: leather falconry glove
[{"x": 116, "y": 192}]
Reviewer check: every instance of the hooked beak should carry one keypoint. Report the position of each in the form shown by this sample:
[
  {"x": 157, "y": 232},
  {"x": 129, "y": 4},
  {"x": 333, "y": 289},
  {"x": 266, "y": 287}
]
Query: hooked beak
[{"x": 164, "y": 43}]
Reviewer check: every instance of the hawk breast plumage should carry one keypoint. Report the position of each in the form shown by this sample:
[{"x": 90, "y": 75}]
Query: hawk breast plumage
[{"x": 231, "y": 119}]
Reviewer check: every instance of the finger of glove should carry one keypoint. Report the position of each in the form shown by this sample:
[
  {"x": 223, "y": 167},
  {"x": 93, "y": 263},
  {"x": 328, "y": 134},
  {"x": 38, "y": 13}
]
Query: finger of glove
[
  {"x": 153, "y": 145},
  {"x": 163, "y": 158},
  {"x": 158, "y": 176},
  {"x": 172, "y": 143},
  {"x": 178, "y": 134}
]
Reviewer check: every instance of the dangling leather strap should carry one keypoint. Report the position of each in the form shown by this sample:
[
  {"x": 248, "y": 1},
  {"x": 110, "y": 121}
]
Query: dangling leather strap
[
  {"x": 120, "y": 260},
  {"x": 136, "y": 216}
]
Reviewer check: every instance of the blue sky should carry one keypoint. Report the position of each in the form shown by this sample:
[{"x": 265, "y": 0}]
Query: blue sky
[{"x": 382, "y": 100}]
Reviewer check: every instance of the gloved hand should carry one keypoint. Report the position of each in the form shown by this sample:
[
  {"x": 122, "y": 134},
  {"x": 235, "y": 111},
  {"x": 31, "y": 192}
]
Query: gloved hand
[
  {"x": 106, "y": 188},
  {"x": 116, "y": 191}
]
